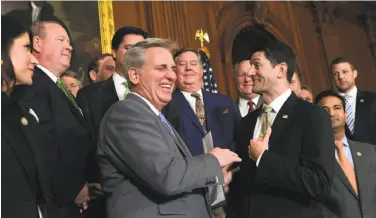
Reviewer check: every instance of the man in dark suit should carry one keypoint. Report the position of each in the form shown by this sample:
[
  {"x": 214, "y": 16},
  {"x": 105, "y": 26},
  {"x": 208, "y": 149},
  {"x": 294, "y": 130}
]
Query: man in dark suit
[
  {"x": 360, "y": 105},
  {"x": 247, "y": 101},
  {"x": 97, "y": 98},
  {"x": 287, "y": 146},
  {"x": 60, "y": 115},
  {"x": 353, "y": 194},
  {"x": 148, "y": 170}
]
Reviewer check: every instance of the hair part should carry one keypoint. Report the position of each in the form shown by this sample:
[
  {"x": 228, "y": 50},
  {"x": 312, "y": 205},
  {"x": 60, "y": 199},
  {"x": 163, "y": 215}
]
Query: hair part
[
  {"x": 135, "y": 56},
  {"x": 330, "y": 93}
]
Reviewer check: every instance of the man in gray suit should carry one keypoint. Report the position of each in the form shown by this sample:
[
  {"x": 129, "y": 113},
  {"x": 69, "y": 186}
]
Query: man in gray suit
[
  {"x": 147, "y": 169},
  {"x": 353, "y": 194}
]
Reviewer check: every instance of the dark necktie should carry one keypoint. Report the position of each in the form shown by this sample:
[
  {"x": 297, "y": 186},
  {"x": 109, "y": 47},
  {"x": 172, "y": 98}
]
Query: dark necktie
[
  {"x": 200, "y": 110},
  {"x": 252, "y": 106},
  {"x": 67, "y": 93}
]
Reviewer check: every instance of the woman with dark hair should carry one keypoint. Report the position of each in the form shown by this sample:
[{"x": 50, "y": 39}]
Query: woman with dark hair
[{"x": 24, "y": 145}]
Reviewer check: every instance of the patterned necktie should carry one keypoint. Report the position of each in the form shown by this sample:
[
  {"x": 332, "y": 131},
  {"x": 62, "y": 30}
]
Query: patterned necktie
[
  {"x": 266, "y": 120},
  {"x": 166, "y": 123},
  {"x": 350, "y": 113},
  {"x": 252, "y": 107},
  {"x": 200, "y": 110},
  {"x": 346, "y": 166},
  {"x": 127, "y": 89},
  {"x": 63, "y": 88}
]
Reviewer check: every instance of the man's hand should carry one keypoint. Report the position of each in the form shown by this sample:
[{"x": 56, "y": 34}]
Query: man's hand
[
  {"x": 83, "y": 197},
  {"x": 228, "y": 176},
  {"x": 257, "y": 146},
  {"x": 225, "y": 156}
]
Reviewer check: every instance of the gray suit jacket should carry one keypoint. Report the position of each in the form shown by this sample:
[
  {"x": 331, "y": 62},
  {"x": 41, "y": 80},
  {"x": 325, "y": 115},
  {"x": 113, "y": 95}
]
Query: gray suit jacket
[
  {"x": 343, "y": 201},
  {"x": 148, "y": 172}
]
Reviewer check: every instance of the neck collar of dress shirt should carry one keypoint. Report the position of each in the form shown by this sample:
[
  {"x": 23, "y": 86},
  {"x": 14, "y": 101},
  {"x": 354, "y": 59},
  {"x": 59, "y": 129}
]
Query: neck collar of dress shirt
[
  {"x": 188, "y": 94},
  {"x": 155, "y": 110},
  {"x": 48, "y": 73},
  {"x": 243, "y": 101},
  {"x": 118, "y": 79},
  {"x": 277, "y": 103},
  {"x": 33, "y": 6},
  {"x": 345, "y": 141},
  {"x": 352, "y": 93}
]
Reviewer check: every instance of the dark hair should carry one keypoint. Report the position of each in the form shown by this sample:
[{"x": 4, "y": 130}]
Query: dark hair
[
  {"x": 330, "y": 93},
  {"x": 94, "y": 64},
  {"x": 123, "y": 31},
  {"x": 278, "y": 52},
  {"x": 341, "y": 59},
  {"x": 10, "y": 30},
  {"x": 182, "y": 50}
]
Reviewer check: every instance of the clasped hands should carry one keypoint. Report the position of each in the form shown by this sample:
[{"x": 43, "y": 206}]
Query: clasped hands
[{"x": 258, "y": 145}]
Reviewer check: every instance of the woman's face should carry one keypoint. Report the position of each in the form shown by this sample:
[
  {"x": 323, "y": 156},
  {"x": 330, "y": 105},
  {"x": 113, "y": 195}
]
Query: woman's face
[{"x": 23, "y": 61}]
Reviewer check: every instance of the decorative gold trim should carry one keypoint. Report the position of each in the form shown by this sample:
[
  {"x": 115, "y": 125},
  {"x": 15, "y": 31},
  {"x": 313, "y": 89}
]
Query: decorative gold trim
[{"x": 106, "y": 24}]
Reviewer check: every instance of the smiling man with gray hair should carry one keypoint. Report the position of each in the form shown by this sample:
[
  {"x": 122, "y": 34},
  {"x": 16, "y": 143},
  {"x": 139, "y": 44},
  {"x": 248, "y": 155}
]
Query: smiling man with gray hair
[{"x": 147, "y": 169}]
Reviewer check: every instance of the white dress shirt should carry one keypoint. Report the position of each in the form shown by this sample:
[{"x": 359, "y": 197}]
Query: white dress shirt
[
  {"x": 119, "y": 87},
  {"x": 352, "y": 93},
  {"x": 192, "y": 100},
  {"x": 276, "y": 104},
  {"x": 244, "y": 106}
]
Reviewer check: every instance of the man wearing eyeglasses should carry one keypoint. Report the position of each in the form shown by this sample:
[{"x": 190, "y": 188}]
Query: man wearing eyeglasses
[{"x": 247, "y": 101}]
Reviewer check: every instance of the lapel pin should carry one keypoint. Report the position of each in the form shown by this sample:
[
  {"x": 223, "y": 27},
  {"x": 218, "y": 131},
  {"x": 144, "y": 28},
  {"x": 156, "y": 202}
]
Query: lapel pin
[
  {"x": 225, "y": 111},
  {"x": 285, "y": 116},
  {"x": 359, "y": 154},
  {"x": 24, "y": 121},
  {"x": 361, "y": 100}
]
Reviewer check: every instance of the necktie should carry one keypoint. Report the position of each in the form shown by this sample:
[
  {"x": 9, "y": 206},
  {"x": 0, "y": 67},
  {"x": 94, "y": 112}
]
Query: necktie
[
  {"x": 166, "y": 123},
  {"x": 67, "y": 93},
  {"x": 350, "y": 113},
  {"x": 251, "y": 106},
  {"x": 200, "y": 110},
  {"x": 266, "y": 120},
  {"x": 127, "y": 89},
  {"x": 346, "y": 166}
]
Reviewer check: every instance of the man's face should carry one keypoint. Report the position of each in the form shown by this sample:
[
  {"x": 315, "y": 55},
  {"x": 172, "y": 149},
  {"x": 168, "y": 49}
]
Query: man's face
[
  {"x": 54, "y": 49},
  {"x": 189, "y": 72},
  {"x": 106, "y": 68},
  {"x": 336, "y": 111},
  {"x": 344, "y": 77},
  {"x": 128, "y": 41},
  {"x": 264, "y": 75},
  {"x": 245, "y": 83},
  {"x": 155, "y": 81},
  {"x": 306, "y": 95},
  {"x": 295, "y": 84},
  {"x": 72, "y": 84}
]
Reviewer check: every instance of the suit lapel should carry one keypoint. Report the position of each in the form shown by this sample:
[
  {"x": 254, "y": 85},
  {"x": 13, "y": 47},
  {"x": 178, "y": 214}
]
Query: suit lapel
[
  {"x": 187, "y": 110},
  {"x": 211, "y": 121},
  {"x": 283, "y": 118},
  {"x": 344, "y": 179},
  {"x": 361, "y": 165},
  {"x": 110, "y": 95},
  {"x": 361, "y": 107}
]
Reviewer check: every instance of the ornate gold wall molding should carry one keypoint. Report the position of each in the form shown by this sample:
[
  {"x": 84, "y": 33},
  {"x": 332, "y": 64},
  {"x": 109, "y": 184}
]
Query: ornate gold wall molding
[{"x": 106, "y": 24}]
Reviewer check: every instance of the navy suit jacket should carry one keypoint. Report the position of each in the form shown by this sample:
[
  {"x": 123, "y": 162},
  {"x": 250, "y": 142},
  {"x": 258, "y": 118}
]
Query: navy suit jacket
[{"x": 221, "y": 115}]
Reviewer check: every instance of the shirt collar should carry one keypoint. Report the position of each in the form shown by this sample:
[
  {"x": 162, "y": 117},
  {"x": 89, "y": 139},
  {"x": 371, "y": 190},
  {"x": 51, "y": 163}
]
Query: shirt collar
[
  {"x": 345, "y": 141},
  {"x": 155, "y": 110},
  {"x": 351, "y": 93},
  {"x": 277, "y": 103},
  {"x": 188, "y": 94},
  {"x": 48, "y": 73},
  {"x": 243, "y": 101},
  {"x": 118, "y": 80}
]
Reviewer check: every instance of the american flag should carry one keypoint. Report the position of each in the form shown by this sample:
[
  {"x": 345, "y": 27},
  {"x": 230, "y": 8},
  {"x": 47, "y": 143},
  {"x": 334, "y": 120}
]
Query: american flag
[{"x": 210, "y": 84}]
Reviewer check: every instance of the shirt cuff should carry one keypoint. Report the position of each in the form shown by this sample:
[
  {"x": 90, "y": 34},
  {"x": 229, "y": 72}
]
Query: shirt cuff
[{"x": 259, "y": 158}]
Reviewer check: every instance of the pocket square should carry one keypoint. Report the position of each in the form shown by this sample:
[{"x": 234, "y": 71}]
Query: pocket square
[{"x": 225, "y": 111}]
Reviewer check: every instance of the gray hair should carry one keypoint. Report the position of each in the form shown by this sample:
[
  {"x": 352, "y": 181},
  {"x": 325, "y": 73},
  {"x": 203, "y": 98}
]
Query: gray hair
[
  {"x": 135, "y": 56},
  {"x": 39, "y": 28}
]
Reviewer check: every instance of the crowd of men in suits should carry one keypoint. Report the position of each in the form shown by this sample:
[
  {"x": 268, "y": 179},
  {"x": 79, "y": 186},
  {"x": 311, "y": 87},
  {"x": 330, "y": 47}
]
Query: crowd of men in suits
[{"x": 133, "y": 143}]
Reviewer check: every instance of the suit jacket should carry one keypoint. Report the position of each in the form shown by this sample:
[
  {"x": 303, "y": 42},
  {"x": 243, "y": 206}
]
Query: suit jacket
[
  {"x": 365, "y": 118},
  {"x": 343, "y": 201},
  {"x": 221, "y": 114},
  {"x": 294, "y": 174},
  {"x": 148, "y": 172},
  {"x": 66, "y": 125},
  {"x": 25, "y": 149}
]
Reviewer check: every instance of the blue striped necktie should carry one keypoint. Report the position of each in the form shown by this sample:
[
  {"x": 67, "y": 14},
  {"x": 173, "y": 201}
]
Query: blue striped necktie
[
  {"x": 350, "y": 113},
  {"x": 166, "y": 123}
]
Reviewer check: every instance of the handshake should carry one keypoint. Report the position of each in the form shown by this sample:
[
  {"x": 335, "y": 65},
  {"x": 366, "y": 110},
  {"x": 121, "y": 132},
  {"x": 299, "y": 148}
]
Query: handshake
[{"x": 226, "y": 158}]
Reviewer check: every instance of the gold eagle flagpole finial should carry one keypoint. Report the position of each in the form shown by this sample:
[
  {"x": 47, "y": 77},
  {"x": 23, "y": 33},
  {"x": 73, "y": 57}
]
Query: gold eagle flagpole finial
[{"x": 203, "y": 36}]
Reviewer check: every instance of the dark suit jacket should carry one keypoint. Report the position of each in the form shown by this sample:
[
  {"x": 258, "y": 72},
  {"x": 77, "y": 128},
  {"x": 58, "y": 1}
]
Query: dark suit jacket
[
  {"x": 25, "y": 150},
  {"x": 294, "y": 174},
  {"x": 95, "y": 100},
  {"x": 343, "y": 202},
  {"x": 365, "y": 118},
  {"x": 221, "y": 114},
  {"x": 68, "y": 128}
]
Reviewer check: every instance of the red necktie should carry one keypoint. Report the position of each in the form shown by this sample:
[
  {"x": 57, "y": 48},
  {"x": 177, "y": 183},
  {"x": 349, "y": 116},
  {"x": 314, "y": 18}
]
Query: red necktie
[{"x": 251, "y": 106}]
